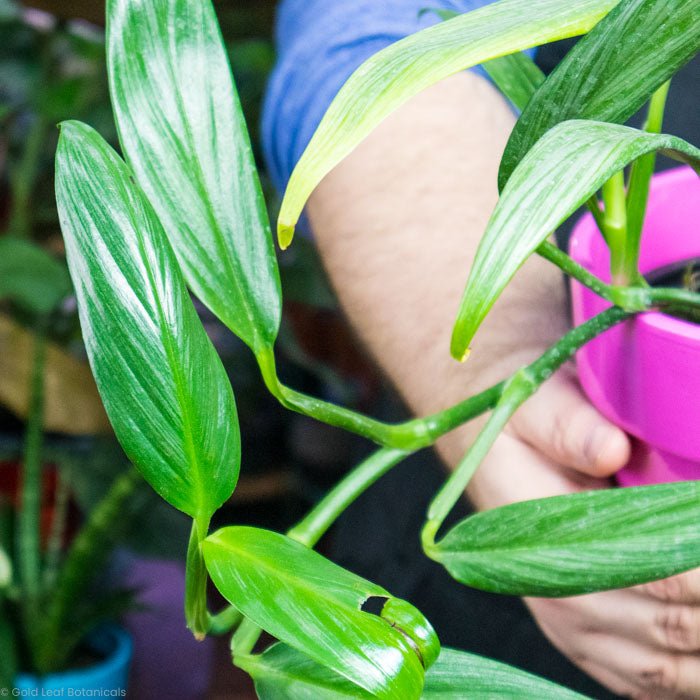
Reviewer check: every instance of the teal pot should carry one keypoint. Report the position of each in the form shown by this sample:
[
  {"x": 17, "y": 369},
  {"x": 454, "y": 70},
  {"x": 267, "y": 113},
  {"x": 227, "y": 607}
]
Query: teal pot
[{"x": 106, "y": 678}]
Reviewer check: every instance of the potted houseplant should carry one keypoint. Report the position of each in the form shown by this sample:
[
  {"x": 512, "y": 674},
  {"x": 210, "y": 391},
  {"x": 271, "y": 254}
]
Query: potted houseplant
[
  {"x": 636, "y": 373},
  {"x": 186, "y": 209}
]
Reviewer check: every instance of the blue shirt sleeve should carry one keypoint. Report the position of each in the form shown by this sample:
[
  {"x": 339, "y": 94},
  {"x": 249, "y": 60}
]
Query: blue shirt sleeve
[{"x": 319, "y": 45}]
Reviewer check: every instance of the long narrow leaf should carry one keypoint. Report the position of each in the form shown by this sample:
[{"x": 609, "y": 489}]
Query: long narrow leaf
[
  {"x": 611, "y": 72},
  {"x": 515, "y": 75},
  {"x": 566, "y": 166},
  {"x": 182, "y": 130},
  {"x": 162, "y": 383},
  {"x": 283, "y": 673},
  {"x": 391, "y": 77},
  {"x": 580, "y": 543},
  {"x": 315, "y": 606}
]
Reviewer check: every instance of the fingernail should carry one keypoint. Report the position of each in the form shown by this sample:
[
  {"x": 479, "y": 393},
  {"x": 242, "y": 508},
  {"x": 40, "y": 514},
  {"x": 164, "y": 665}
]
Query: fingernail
[{"x": 606, "y": 448}]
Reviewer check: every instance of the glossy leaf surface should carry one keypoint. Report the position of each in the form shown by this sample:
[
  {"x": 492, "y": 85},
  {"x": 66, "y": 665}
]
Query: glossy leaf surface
[
  {"x": 31, "y": 277},
  {"x": 611, "y": 72},
  {"x": 515, "y": 75},
  {"x": 183, "y": 133},
  {"x": 315, "y": 606},
  {"x": 283, "y": 673},
  {"x": 162, "y": 383},
  {"x": 564, "y": 168},
  {"x": 580, "y": 543},
  {"x": 394, "y": 75}
]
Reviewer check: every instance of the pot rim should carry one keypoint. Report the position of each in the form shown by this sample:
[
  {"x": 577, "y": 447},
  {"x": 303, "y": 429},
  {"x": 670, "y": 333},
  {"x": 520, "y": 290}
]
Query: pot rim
[{"x": 109, "y": 667}]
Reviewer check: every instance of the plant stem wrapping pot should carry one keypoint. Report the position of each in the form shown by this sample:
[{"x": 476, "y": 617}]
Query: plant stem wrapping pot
[
  {"x": 106, "y": 678},
  {"x": 644, "y": 374}
]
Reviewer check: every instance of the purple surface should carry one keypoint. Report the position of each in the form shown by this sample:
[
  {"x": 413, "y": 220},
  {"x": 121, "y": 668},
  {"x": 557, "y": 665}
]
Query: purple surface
[{"x": 167, "y": 661}]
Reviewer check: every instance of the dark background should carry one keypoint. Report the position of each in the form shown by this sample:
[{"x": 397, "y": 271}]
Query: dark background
[{"x": 290, "y": 461}]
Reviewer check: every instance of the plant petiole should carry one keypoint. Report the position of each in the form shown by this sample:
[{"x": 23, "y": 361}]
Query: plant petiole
[{"x": 615, "y": 223}]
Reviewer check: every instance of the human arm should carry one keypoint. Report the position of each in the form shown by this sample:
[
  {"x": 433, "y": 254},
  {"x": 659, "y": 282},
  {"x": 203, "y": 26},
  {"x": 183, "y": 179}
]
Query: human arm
[{"x": 397, "y": 224}]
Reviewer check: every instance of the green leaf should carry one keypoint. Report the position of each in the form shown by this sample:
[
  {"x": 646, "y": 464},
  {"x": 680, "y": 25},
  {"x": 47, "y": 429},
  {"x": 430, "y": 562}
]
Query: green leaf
[
  {"x": 579, "y": 543},
  {"x": 458, "y": 674},
  {"x": 182, "y": 130},
  {"x": 8, "y": 650},
  {"x": 564, "y": 168},
  {"x": 611, "y": 72},
  {"x": 394, "y": 75},
  {"x": 5, "y": 569},
  {"x": 283, "y": 673},
  {"x": 516, "y": 75},
  {"x": 162, "y": 383},
  {"x": 30, "y": 277},
  {"x": 314, "y": 605}
]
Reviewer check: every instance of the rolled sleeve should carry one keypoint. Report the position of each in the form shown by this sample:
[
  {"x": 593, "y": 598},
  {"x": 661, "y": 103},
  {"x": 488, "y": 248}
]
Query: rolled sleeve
[{"x": 320, "y": 43}]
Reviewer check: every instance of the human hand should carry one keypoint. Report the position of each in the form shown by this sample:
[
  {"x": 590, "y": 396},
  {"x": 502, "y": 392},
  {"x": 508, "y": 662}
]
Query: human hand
[{"x": 640, "y": 642}]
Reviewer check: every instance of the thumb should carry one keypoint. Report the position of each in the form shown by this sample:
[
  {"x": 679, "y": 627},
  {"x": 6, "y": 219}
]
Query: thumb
[{"x": 559, "y": 422}]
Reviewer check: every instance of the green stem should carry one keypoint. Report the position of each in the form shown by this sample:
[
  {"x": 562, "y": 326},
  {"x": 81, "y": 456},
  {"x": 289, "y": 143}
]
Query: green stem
[
  {"x": 28, "y": 535},
  {"x": 594, "y": 208},
  {"x": 506, "y": 395},
  {"x": 89, "y": 549},
  {"x": 570, "y": 267},
  {"x": 518, "y": 388},
  {"x": 56, "y": 535},
  {"x": 409, "y": 435},
  {"x": 245, "y": 638},
  {"x": 615, "y": 222},
  {"x": 196, "y": 614},
  {"x": 638, "y": 190},
  {"x": 310, "y": 530},
  {"x": 23, "y": 179},
  {"x": 224, "y": 621}
]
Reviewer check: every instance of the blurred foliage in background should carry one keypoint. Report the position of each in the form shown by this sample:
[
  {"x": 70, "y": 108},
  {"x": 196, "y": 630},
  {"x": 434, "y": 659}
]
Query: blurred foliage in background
[{"x": 52, "y": 67}]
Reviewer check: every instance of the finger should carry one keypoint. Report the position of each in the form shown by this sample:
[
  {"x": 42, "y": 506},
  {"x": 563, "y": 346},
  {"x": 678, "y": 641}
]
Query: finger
[
  {"x": 652, "y": 674},
  {"x": 562, "y": 424},
  {"x": 682, "y": 588},
  {"x": 659, "y": 625},
  {"x": 513, "y": 471}
]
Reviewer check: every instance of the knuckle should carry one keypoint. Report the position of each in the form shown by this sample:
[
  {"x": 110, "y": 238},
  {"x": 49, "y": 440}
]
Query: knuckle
[
  {"x": 564, "y": 434},
  {"x": 669, "y": 590},
  {"x": 661, "y": 674},
  {"x": 678, "y": 625}
]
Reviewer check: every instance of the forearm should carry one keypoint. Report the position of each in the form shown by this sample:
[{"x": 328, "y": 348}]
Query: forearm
[{"x": 398, "y": 223}]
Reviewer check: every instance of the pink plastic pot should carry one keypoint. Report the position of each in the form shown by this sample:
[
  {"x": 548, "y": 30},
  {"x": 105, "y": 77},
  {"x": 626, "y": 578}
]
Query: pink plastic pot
[{"x": 644, "y": 374}]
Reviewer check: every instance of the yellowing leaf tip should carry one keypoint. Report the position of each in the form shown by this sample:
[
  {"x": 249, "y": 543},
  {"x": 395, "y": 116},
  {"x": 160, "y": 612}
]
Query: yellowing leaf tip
[{"x": 285, "y": 234}]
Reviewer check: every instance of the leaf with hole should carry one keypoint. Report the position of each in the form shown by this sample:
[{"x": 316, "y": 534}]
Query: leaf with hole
[
  {"x": 564, "y": 168},
  {"x": 164, "y": 388},
  {"x": 391, "y": 77},
  {"x": 611, "y": 72},
  {"x": 578, "y": 543},
  {"x": 316, "y": 606},
  {"x": 182, "y": 129}
]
